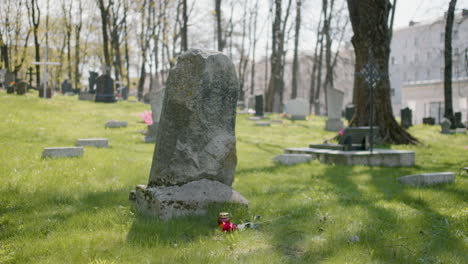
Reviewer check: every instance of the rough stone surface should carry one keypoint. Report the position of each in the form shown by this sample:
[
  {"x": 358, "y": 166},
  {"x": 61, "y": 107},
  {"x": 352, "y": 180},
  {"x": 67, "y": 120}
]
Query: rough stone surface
[
  {"x": 196, "y": 134},
  {"x": 59, "y": 152},
  {"x": 93, "y": 142},
  {"x": 292, "y": 159},
  {"x": 262, "y": 123},
  {"x": 116, "y": 124},
  {"x": 188, "y": 199},
  {"x": 426, "y": 179},
  {"x": 334, "y": 125}
]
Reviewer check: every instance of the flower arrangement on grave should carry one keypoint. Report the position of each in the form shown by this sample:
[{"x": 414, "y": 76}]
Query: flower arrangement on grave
[
  {"x": 224, "y": 223},
  {"x": 147, "y": 117}
]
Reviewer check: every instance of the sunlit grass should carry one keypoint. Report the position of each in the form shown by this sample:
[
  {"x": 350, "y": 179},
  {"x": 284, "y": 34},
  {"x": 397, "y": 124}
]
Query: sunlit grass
[{"x": 77, "y": 211}]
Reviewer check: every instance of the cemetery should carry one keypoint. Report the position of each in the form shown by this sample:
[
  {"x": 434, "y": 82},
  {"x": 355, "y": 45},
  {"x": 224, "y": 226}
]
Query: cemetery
[{"x": 235, "y": 131}]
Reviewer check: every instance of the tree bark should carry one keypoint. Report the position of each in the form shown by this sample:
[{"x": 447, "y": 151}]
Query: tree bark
[
  {"x": 219, "y": 28},
  {"x": 78, "y": 26},
  {"x": 104, "y": 10},
  {"x": 184, "y": 33},
  {"x": 448, "y": 97},
  {"x": 369, "y": 19},
  {"x": 295, "y": 68},
  {"x": 35, "y": 17}
]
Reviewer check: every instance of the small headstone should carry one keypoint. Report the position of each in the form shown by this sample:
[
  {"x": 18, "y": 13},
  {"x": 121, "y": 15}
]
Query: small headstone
[
  {"x": 8, "y": 79},
  {"x": 116, "y": 124},
  {"x": 297, "y": 109},
  {"x": 292, "y": 159},
  {"x": 429, "y": 121},
  {"x": 60, "y": 152},
  {"x": 354, "y": 239},
  {"x": 427, "y": 178},
  {"x": 93, "y": 142},
  {"x": 259, "y": 105},
  {"x": 195, "y": 156},
  {"x": 255, "y": 118},
  {"x": 124, "y": 92},
  {"x": 406, "y": 117},
  {"x": 92, "y": 81},
  {"x": 105, "y": 89},
  {"x": 67, "y": 87},
  {"x": 48, "y": 92},
  {"x": 156, "y": 101},
  {"x": 334, "y": 104},
  {"x": 21, "y": 88},
  {"x": 86, "y": 96},
  {"x": 458, "y": 120},
  {"x": 262, "y": 123},
  {"x": 445, "y": 126},
  {"x": 349, "y": 112}
]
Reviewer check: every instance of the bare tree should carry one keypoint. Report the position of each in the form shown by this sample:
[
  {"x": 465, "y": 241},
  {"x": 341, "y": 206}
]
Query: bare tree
[
  {"x": 67, "y": 7},
  {"x": 253, "y": 39},
  {"x": 78, "y": 26},
  {"x": 296, "y": 48},
  {"x": 448, "y": 100},
  {"x": 184, "y": 30},
  {"x": 34, "y": 14},
  {"x": 104, "y": 8},
  {"x": 369, "y": 19}
]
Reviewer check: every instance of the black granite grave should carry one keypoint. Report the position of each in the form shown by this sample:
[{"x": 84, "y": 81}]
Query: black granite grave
[{"x": 105, "y": 89}]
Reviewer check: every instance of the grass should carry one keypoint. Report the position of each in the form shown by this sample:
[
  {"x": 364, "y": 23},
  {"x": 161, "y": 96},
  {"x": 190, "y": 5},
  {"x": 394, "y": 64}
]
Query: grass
[{"x": 77, "y": 211}]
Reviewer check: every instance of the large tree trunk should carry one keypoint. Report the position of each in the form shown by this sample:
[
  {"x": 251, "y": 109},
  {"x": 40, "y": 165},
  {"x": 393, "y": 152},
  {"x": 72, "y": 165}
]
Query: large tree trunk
[
  {"x": 219, "y": 29},
  {"x": 295, "y": 68},
  {"x": 448, "y": 101},
  {"x": 104, "y": 9},
  {"x": 35, "y": 16},
  {"x": 184, "y": 33},
  {"x": 369, "y": 19},
  {"x": 78, "y": 27},
  {"x": 275, "y": 83}
]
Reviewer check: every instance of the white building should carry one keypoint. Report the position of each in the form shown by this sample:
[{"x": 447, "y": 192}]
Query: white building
[{"x": 417, "y": 67}]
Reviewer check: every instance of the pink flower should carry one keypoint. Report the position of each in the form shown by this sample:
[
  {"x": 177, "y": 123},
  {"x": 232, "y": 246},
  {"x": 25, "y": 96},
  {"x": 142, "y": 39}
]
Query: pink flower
[
  {"x": 147, "y": 117},
  {"x": 341, "y": 132},
  {"x": 466, "y": 147}
]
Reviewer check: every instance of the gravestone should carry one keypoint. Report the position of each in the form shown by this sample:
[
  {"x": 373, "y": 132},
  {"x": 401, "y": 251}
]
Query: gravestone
[
  {"x": 426, "y": 179},
  {"x": 41, "y": 91},
  {"x": 195, "y": 156},
  {"x": 262, "y": 123},
  {"x": 429, "y": 121},
  {"x": 92, "y": 80},
  {"x": 292, "y": 159},
  {"x": 445, "y": 126},
  {"x": 62, "y": 152},
  {"x": 349, "y": 112},
  {"x": 8, "y": 82},
  {"x": 124, "y": 92},
  {"x": 334, "y": 104},
  {"x": 156, "y": 101},
  {"x": 67, "y": 87},
  {"x": 259, "y": 105},
  {"x": 458, "y": 120},
  {"x": 21, "y": 88},
  {"x": 406, "y": 117},
  {"x": 297, "y": 109},
  {"x": 105, "y": 89},
  {"x": 93, "y": 142},
  {"x": 116, "y": 124}
]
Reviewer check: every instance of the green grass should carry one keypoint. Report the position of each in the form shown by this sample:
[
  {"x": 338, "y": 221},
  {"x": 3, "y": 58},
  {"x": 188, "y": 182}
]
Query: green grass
[{"x": 77, "y": 211}]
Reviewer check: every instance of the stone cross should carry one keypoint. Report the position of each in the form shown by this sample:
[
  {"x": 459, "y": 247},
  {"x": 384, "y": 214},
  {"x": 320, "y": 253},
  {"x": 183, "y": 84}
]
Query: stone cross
[
  {"x": 46, "y": 63},
  {"x": 372, "y": 76}
]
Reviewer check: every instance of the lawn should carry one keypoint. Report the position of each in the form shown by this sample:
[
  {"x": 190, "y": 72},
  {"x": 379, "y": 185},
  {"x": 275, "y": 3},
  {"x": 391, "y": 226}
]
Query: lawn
[{"x": 77, "y": 210}]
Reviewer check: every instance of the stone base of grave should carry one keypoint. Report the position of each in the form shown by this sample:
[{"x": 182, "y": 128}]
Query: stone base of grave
[
  {"x": 86, "y": 97},
  {"x": 256, "y": 118},
  {"x": 334, "y": 125},
  {"x": 260, "y": 123},
  {"x": 189, "y": 199},
  {"x": 379, "y": 157},
  {"x": 150, "y": 136},
  {"x": 427, "y": 179},
  {"x": 292, "y": 159},
  {"x": 93, "y": 142},
  {"x": 296, "y": 117},
  {"x": 116, "y": 124},
  {"x": 61, "y": 152}
]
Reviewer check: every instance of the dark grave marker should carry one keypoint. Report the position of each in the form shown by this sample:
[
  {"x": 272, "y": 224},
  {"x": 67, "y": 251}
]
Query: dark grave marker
[
  {"x": 259, "y": 105},
  {"x": 21, "y": 88},
  {"x": 458, "y": 120},
  {"x": 67, "y": 87},
  {"x": 92, "y": 80},
  {"x": 406, "y": 117},
  {"x": 429, "y": 121},
  {"x": 105, "y": 89},
  {"x": 349, "y": 112}
]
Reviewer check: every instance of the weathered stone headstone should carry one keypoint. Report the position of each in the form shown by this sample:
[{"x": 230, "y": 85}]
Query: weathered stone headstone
[
  {"x": 67, "y": 87},
  {"x": 259, "y": 105},
  {"x": 458, "y": 120},
  {"x": 195, "y": 159},
  {"x": 429, "y": 121},
  {"x": 298, "y": 109},
  {"x": 426, "y": 179},
  {"x": 92, "y": 80},
  {"x": 60, "y": 152},
  {"x": 105, "y": 89},
  {"x": 349, "y": 112},
  {"x": 156, "y": 101},
  {"x": 94, "y": 142},
  {"x": 334, "y": 104},
  {"x": 116, "y": 124},
  {"x": 21, "y": 87},
  {"x": 262, "y": 123},
  {"x": 48, "y": 92},
  {"x": 124, "y": 92},
  {"x": 406, "y": 117},
  {"x": 292, "y": 159},
  {"x": 445, "y": 126}
]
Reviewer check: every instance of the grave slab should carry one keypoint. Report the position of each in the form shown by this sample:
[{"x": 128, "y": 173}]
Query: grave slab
[
  {"x": 426, "y": 179},
  {"x": 116, "y": 124},
  {"x": 260, "y": 123},
  {"x": 62, "y": 152},
  {"x": 292, "y": 159},
  {"x": 93, "y": 142}
]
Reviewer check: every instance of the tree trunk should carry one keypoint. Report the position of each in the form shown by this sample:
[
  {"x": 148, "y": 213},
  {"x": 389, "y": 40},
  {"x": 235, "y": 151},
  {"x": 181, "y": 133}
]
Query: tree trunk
[
  {"x": 35, "y": 16},
  {"x": 254, "y": 47},
  {"x": 184, "y": 40},
  {"x": 104, "y": 10},
  {"x": 274, "y": 86},
  {"x": 448, "y": 98},
  {"x": 78, "y": 27},
  {"x": 219, "y": 29},
  {"x": 369, "y": 19},
  {"x": 295, "y": 68}
]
